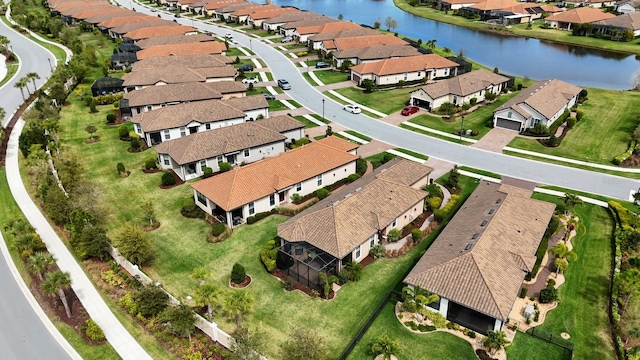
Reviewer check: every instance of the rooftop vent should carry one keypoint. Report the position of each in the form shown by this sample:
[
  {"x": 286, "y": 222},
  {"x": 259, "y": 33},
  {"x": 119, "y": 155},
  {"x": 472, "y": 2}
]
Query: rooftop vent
[
  {"x": 498, "y": 201},
  {"x": 475, "y": 236},
  {"x": 348, "y": 195},
  {"x": 519, "y": 231},
  {"x": 493, "y": 210},
  {"x": 484, "y": 223},
  {"x": 336, "y": 203},
  {"x": 469, "y": 246},
  {"x": 358, "y": 189}
]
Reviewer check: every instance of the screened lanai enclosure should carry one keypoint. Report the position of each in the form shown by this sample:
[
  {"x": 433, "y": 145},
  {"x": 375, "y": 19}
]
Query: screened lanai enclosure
[{"x": 303, "y": 262}]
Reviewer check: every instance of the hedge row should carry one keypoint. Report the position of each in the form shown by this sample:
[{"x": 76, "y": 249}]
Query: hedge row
[
  {"x": 108, "y": 99},
  {"x": 627, "y": 154},
  {"x": 440, "y": 214},
  {"x": 542, "y": 248}
]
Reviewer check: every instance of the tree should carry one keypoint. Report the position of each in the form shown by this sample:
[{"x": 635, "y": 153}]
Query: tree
[
  {"x": 354, "y": 270},
  {"x": 33, "y": 77},
  {"x": 92, "y": 242},
  {"x": 148, "y": 210},
  {"x": 495, "y": 340},
  {"x": 151, "y": 300},
  {"x": 21, "y": 84},
  {"x": 431, "y": 44},
  {"x": 246, "y": 345},
  {"x": 56, "y": 283},
  {"x": 39, "y": 263},
  {"x": 304, "y": 344},
  {"x": 416, "y": 299},
  {"x": 91, "y": 129},
  {"x": 390, "y": 23},
  {"x": 201, "y": 274},
  {"x": 447, "y": 50},
  {"x": 386, "y": 346},
  {"x": 180, "y": 320},
  {"x": 570, "y": 201},
  {"x": 238, "y": 303},
  {"x": 209, "y": 295},
  {"x": 562, "y": 253},
  {"x": 561, "y": 265},
  {"x": 452, "y": 181},
  {"x": 4, "y": 43},
  {"x": 326, "y": 283},
  {"x": 378, "y": 23},
  {"x": 133, "y": 243},
  {"x": 340, "y": 17}
]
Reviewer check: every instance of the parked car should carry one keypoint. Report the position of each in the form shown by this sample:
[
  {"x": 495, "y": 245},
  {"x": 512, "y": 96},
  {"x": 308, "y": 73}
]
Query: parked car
[
  {"x": 284, "y": 84},
  {"x": 253, "y": 80},
  {"x": 354, "y": 109},
  {"x": 409, "y": 110},
  {"x": 245, "y": 67},
  {"x": 269, "y": 96},
  {"x": 228, "y": 36},
  {"x": 177, "y": 15},
  {"x": 286, "y": 39},
  {"x": 322, "y": 65},
  {"x": 154, "y": 10}
]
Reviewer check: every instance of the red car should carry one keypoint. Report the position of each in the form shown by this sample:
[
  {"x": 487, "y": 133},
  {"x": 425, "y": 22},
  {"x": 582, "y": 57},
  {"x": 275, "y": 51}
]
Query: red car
[{"x": 409, "y": 110}]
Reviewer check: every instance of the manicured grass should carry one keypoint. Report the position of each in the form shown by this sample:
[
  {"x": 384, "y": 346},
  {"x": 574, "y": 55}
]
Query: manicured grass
[
  {"x": 263, "y": 34},
  {"x": 584, "y": 297},
  {"x": 480, "y": 172},
  {"x": 257, "y": 90},
  {"x": 233, "y": 52},
  {"x": 526, "y": 347},
  {"x": 434, "y": 345},
  {"x": 386, "y": 101},
  {"x": 276, "y": 105},
  {"x": 319, "y": 117},
  {"x": 305, "y": 121},
  {"x": 476, "y": 120},
  {"x": 378, "y": 157},
  {"x": 331, "y": 77},
  {"x": 295, "y": 46},
  {"x": 412, "y": 153},
  {"x": 12, "y": 69},
  {"x": 358, "y": 135},
  {"x": 294, "y": 103},
  {"x": 59, "y": 54},
  {"x": 309, "y": 79},
  {"x": 610, "y": 114}
]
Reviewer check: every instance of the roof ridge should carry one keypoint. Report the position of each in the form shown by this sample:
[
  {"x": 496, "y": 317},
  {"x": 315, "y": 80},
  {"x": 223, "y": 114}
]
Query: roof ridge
[
  {"x": 233, "y": 185},
  {"x": 484, "y": 280}
]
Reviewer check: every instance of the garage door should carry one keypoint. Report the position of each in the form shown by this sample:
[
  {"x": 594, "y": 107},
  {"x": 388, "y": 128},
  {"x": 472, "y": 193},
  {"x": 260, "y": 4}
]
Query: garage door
[
  {"x": 508, "y": 124},
  {"x": 422, "y": 103}
]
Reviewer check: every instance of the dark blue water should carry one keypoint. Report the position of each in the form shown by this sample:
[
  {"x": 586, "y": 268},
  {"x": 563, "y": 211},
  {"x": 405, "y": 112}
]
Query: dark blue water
[{"x": 533, "y": 58}]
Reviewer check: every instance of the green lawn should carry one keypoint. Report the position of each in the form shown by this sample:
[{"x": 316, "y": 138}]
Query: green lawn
[
  {"x": 378, "y": 157},
  {"x": 480, "y": 172},
  {"x": 477, "y": 120},
  {"x": 386, "y": 101},
  {"x": 233, "y": 52},
  {"x": 331, "y": 77},
  {"x": 526, "y": 347},
  {"x": 320, "y": 118},
  {"x": 626, "y": 204},
  {"x": 305, "y": 121},
  {"x": 358, "y": 135},
  {"x": 610, "y": 114},
  {"x": 309, "y": 79},
  {"x": 412, "y": 153},
  {"x": 434, "y": 345},
  {"x": 276, "y": 105}
]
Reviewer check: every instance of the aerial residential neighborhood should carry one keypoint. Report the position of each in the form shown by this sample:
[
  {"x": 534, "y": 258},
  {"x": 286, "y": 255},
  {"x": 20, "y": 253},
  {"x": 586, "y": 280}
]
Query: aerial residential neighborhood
[{"x": 232, "y": 179}]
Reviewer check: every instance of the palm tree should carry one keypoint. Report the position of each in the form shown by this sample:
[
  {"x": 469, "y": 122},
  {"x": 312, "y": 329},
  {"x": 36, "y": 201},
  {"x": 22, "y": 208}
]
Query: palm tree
[
  {"x": 55, "y": 283},
  {"x": 416, "y": 299},
  {"x": 386, "y": 346},
  {"x": 570, "y": 201},
  {"x": 33, "y": 77},
  {"x": 39, "y": 263},
  {"x": 431, "y": 44},
  {"x": 561, "y": 265},
  {"x": 354, "y": 270},
  {"x": 238, "y": 303},
  {"x": 200, "y": 274},
  {"x": 208, "y": 294},
  {"x": 561, "y": 250},
  {"x": 446, "y": 50},
  {"x": 21, "y": 84},
  {"x": 495, "y": 340},
  {"x": 327, "y": 282}
]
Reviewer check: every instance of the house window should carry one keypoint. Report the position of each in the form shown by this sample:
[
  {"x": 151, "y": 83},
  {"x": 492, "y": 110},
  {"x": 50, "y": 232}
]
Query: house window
[
  {"x": 149, "y": 107},
  {"x": 509, "y": 114},
  {"x": 358, "y": 251},
  {"x": 405, "y": 76},
  {"x": 252, "y": 209},
  {"x": 203, "y": 164},
  {"x": 395, "y": 222},
  {"x": 246, "y": 153},
  {"x": 419, "y": 73},
  {"x": 165, "y": 159},
  {"x": 220, "y": 159},
  {"x": 207, "y": 126},
  {"x": 183, "y": 131},
  {"x": 299, "y": 187},
  {"x": 319, "y": 179},
  {"x": 372, "y": 240},
  {"x": 201, "y": 199},
  {"x": 167, "y": 135},
  {"x": 138, "y": 128},
  {"x": 272, "y": 199}
]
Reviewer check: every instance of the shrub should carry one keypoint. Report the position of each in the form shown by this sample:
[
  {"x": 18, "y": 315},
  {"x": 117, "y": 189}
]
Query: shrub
[
  {"x": 553, "y": 141},
  {"x": 523, "y": 293},
  {"x": 394, "y": 235},
  {"x": 579, "y": 115},
  {"x": 126, "y": 301},
  {"x": 107, "y": 99},
  {"x": 434, "y": 203},
  {"x": 343, "y": 276},
  {"x": 438, "y": 320},
  {"x": 473, "y": 101},
  {"x": 111, "y": 118},
  {"x": 571, "y": 122},
  {"x": 353, "y": 177},
  {"x": 621, "y": 158},
  {"x": 238, "y": 273},
  {"x": 548, "y": 295},
  {"x": 490, "y": 96},
  {"x": 92, "y": 106},
  {"x": 439, "y": 215},
  {"x": 93, "y": 331},
  {"x": 259, "y": 216},
  {"x": 123, "y": 132},
  {"x": 387, "y": 157},
  {"x": 268, "y": 255},
  {"x": 151, "y": 300},
  {"x": 322, "y": 193},
  {"x": 361, "y": 166},
  {"x": 224, "y": 166},
  {"x": 217, "y": 229},
  {"x": 377, "y": 251},
  {"x": 207, "y": 172},
  {"x": 416, "y": 235},
  {"x": 289, "y": 284},
  {"x": 434, "y": 190},
  {"x": 168, "y": 179},
  {"x": 150, "y": 163},
  {"x": 551, "y": 283},
  {"x": 120, "y": 168}
]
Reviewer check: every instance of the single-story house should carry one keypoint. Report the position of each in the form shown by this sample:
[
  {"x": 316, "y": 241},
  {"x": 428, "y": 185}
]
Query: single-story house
[
  {"x": 590, "y": 3},
  {"x": 210, "y": 7},
  {"x": 456, "y": 4},
  {"x": 117, "y": 32},
  {"x": 360, "y": 42},
  {"x": 107, "y": 85},
  {"x": 464, "y": 66},
  {"x": 127, "y": 47},
  {"x": 411, "y": 68},
  {"x": 198, "y": 48},
  {"x": 97, "y": 19},
  {"x": 459, "y": 90},
  {"x": 543, "y": 102},
  {"x": 627, "y": 6},
  {"x": 373, "y": 53},
  {"x": 189, "y": 61},
  {"x": 485, "y": 7},
  {"x": 237, "y": 144},
  {"x": 346, "y": 225},
  {"x": 88, "y": 13},
  {"x": 183, "y": 5},
  {"x": 140, "y": 79},
  {"x": 274, "y": 22},
  {"x": 122, "y": 60},
  {"x": 258, "y": 187},
  {"x": 155, "y": 97},
  {"x": 258, "y": 16},
  {"x": 114, "y": 22},
  {"x": 300, "y": 30},
  {"x": 581, "y": 15},
  {"x": 149, "y": 32},
  {"x": 174, "y": 39},
  {"x": 171, "y": 122},
  {"x": 223, "y": 13},
  {"x": 315, "y": 40},
  {"x": 241, "y": 15},
  {"x": 617, "y": 25},
  {"x": 478, "y": 263}
]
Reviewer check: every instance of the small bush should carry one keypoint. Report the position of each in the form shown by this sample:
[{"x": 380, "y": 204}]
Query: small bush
[
  {"x": 394, "y": 235},
  {"x": 289, "y": 284},
  {"x": 296, "y": 198},
  {"x": 150, "y": 163},
  {"x": 322, "y": 193},
  {"x": 571, "y": 122},
  {"x": 438, "y": 320},
  {"x": 553, "y": 141},
  {"x": 168, "y": 179},
  {"x": 548, "y": 295},
  {"x": 238, "y": 273},
  {"x": 473, "y": 101},
  {"x": 434, "y": 203},
  {"x": 111, "y": 118},
  {"x": 416, "y": 235},
  {"x": 579, "y": 115},
  {"x": 135, "y": 144},
  {"x": 353, "y": 177},
  {"x": 343, "y": 276},
  {"x": 120, "y": 168},
  {"x": 268, "y": 255},
  {"x": 377, "y": 251},
  {"x": 93, "y": 331},
  {"x": 551, "y": 283},
  {"x": 127, "y": 302},
  {"x": 224, "y": 166},
  {"x": 361, "y": 166},
  {"x": 523, "y": 293},
  {"x": 217, "y": 229},
  {"x": 123, "y": 132},
  {"x": 434, "y": 190},
  {"x": 207, "y": 172}
]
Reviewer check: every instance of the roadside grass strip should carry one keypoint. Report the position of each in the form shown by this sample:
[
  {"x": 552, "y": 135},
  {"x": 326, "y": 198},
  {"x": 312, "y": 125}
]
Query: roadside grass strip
[
  {"x": 311, "y": 118},
  {"x": 306, "y": 121},
  {"x": 288, "y": 104},
  {"x": 438, "y": 132},
  {"x": 404, "y": 154},
  {"x": 314, "y": 78},
  {"x": 361, "y": 136},
  {"x": 480, "y": 172},
  {"x": 352, "y": 137},
  {"x": 562, "y": 194},
  {"x": 320, "y": 118}
]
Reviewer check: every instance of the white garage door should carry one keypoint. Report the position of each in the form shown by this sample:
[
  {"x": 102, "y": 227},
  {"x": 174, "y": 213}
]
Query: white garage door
[{"x": 508, "y": 124}]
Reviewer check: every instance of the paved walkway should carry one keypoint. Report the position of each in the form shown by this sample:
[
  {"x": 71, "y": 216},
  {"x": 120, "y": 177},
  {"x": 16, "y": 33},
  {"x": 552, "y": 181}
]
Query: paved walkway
[
  {"x": 124, "y": 344},
  {"x": 495, "y": 140}
]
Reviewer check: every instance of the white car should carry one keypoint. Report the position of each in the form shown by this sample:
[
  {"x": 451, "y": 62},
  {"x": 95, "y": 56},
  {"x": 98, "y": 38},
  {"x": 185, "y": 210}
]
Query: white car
[
  {"x": 253, "y": 80},
  {"x": 354, "y": 109},
  {"x": 228, "y": 36}
]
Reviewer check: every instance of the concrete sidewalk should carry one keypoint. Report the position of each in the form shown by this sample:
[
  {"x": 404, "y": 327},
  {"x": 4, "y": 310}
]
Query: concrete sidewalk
[{"x": 124, "y": 344}]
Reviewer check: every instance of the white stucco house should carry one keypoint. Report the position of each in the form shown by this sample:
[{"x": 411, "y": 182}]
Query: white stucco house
[{"x": 410, "y": 68}]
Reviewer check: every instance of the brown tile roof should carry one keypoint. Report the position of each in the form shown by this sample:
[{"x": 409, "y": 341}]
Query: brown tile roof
[
  {"x": 229, "y": 8},
  {"x": 97, "y": 19},
  {"x": 120, "y": 21},
  {"x": 629, "y": 21},
  {"x": 338, "y": 143},
  {"x": 159, "y": 31},
  {"x": 315, "y": 22},
  {"x": 493, "y": 4},
  {"x": 364, "y": 41},
  {"x": 150, "y": 21},
  {"x": 465, "y": 84},
  {"x": 175, "y": 75},
  {"x": 353, "y": 32},
  {"x": 251, "y": 8},
  {"x": 175, "y": 116},
  {"x": 546, "y": 97},
  {"x": 551, "y": 9},
  {"x": 267, "y": 13},
  {"x": 247, "y": 103},
  {"x": 76, "y": 10},
  {"x": 174, "y": 39},
  {"x": 581, "y": 15},
  {"x": 289, "y": 17},
  {"x": 93, "y": 12},
  {"x": 214, "y": 5},
  {"x": 452, "y": 2},
  {"x": 183, "y": 92},
  {"x": 344, "y": 220},
  {"x": 255, "y": 181},
  {"x": 280, "y": 123},
  {"x": 190, "y": 61},
  {"x": 328, "y": 27},
  {"x": 224, "y": 140},
  {"x": 482, "y": 267},
  {"x": 404, "y": 64},
  {"x": 198, "y": 48},
  {"x": 377, "y": 52}
]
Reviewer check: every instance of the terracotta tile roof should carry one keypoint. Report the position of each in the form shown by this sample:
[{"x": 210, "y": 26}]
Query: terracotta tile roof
[
  {"x": 267, "y": 13},
  {"x": 189, "y": 61},
  {"x": 493, "y": 4},
  {"x": 175, "y": 116},
  {"x": 257, "y": 180},
  {"x": 77, "y": 10},
  {"x": 289, "y": 17},
  {"x": 327, "y": 27},
  {"x": 522, "y": 8},
  {"x": 187, "y": 2},
  {"x": 377, "y": 52},
  {"x": 67, "y": 5},
  {"x": 465, "y": 84},
  {"x": 353, "y": 32},
  {"x": 338, "y": 143},
  {"x": 482, "y": 267},
  {"x": 224, "y": 140},
  {"x": 89, "y": 13},
  {"x": 251, "y": 8},
  {"x": 119, "y": 21},
  {"x": 629, "y": 21},
  {"x": 175, "y": 75},
  {"x": 551, "y": 9},
  {"x": 132, "y": 26},
  {"x": 199, "y": 48},
  {"x": 214, "y": 5},
  {"x": 247, "y": 103},
  {"x": 183, "y": 92},
  {"x": 546, "y": 97},
  {"x": 581, "y": 15},
  {"x": 404, "y": 64},
  {"x": 97, "y": 19},
  {"x": 174, "y": 39},
  {"x": 280, "y": 123},
  {"x": 346, "y": 219},
  {"x": 366, "y": 41},
  {"x": 159, "y": 31},
  {"x": 315, "y": 22}
]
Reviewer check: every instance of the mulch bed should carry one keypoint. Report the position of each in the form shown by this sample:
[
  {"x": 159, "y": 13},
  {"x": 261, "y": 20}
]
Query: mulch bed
[
  {"x": 298, "y": 286},
  {"x": 178, "y": 181},
  {"x": 151, "y": 171},
  {"x": 415, "y": 224},
  {"x": 243, "y": 284},
  {"x": 94, "y": 140},
  {"x": 633, "y": 161}
]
